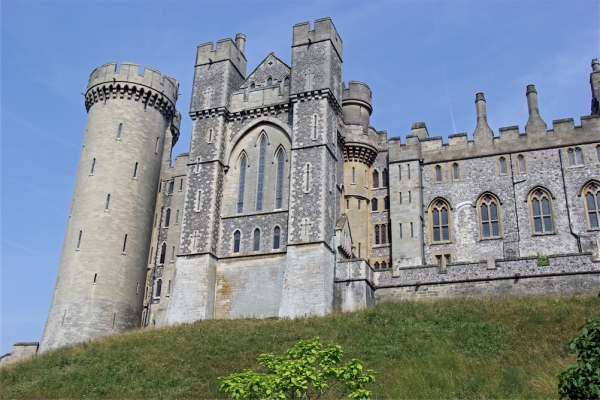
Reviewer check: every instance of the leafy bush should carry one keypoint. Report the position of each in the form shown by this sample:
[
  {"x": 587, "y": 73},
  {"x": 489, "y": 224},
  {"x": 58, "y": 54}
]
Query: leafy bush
[
  {"x": 307, "y": 370},
  {"x": 542, "y": 260},
  {"x": 582, "y": 380}
]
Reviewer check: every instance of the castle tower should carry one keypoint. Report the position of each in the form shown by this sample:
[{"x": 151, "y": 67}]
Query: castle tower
[
  {"x": 316, "y": 94},
  {"x": 102, "y": 271}
]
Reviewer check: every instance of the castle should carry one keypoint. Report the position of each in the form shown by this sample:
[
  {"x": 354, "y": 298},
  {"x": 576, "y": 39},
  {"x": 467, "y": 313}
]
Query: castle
[{"x": 289, "y": 203}]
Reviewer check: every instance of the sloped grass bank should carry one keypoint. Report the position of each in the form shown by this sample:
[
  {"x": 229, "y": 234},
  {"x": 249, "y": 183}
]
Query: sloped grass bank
[{"x": 467, "y": 348}]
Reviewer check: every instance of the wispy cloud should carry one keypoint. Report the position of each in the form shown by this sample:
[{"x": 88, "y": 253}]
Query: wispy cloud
[
  {"x": 27, "y": 249},
  {"x": 35, "y": 129}
]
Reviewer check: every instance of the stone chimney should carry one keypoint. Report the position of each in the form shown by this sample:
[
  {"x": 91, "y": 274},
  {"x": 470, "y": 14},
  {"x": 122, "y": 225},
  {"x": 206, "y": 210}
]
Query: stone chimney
[
  {"x": 240, "y": 42},
  {"x": 535, "y": 123},
  {"x": 482, "y": 130},
  {"x": 595, "y": 84}
]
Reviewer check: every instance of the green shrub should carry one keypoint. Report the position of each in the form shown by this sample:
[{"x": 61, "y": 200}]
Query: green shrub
[
  {"x": 582, "y": 380},
  {"x": 306, "y": 371}
]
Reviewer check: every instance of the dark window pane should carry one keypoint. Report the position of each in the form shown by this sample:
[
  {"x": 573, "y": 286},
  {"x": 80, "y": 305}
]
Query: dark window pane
[
  {"x": 375, "y": 179},
  {"x": 495, "y": 229},
  {"x": 445, "y": 233},
  {"x": 484, "y": 212},
  {"x": 158, "y": 288},
  {"x": 276, "y": 234},
  {"x": 376, "y": 234},
  {"x": 261, "y": 174},
  {"x": 546, "y": 206},
  {"x": 374, "y": 204},
  {"x": 571, "y": 157},
  {"x": 537, "y": 222},
  {"x": 486, "y": 229},
  {"x": 593, "y": 220},
  {"x": 547, "y": 224},
  {"x": 279, "y": 191},
  {"x": 256, "y": 240},
  {"x": 444, "y": 216},
  {"x": 385, "y": 177},
  {"x": 241, "y": 185},
  {"x": 494, "y": 211},
  {"x": 376, "y": 265},
  {"x": 383, "y": 235},
  {"x": 436, "y": 234},
  {"x": 436, "y": 218},
  {"x": 591, "y": 204},
  {"x": 236, "y": 242},
  {"x": 535, "y": 205}
]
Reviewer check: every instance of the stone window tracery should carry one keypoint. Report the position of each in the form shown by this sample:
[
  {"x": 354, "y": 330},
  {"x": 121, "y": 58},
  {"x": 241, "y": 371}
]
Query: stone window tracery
[
  {"x": 541, "y": 210},
  {"x": 261, "y": 173},
  {"x": 242, "y": 184},
  {"x": 489, "y": 216},
  {"x": 440, "y": 221},
  {"x": 591, "y": 194}
]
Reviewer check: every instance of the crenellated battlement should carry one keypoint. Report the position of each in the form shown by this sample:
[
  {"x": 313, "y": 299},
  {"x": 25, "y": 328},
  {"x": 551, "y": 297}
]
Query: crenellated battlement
[
  {"x": 226, "y": 50},
  {"x": 358, "y": 93},
  {"x": 324, "y": 30},
  {"x": 150, "y": 87}
]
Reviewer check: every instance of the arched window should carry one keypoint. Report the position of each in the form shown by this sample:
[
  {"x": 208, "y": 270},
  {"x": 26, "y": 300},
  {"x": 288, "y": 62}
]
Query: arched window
[
  {"x": 438, "y": 173},
  {"x": 167, "y": 217},
  {"x": 276, "y": 235},
  {"x": 440, "y": 221},
  {"x": 592, "y": 204},
  {"x": 107, "y": 202},
  {"x": 236, "y": 241},
  {"x": 455, "y": 174},
  {"x": 541, "y": 209},
  {"x": 269, "y": 81},
  {"x": 521, "y": 163},
  {"x": 377, "y": 240},
  {"x": 261, "y": 173},
  {"x": 286, "y": 80},
  {"x": 386, "y": 203},
  {"x": 242, "y": 184},
  {"x": 170, "y": 188},
  {"x": 374, "y": 204},
  {"x": 502, "y": 165},
  {"x": 158, "y": 288},
  {"x": 279, "y": 189},
  {"x": 256, "y": 239},
  {"x": 489, "y": 214},
  {"x": 163, "y": 253},
  {"x": 384, "y": 177},
  {"x": 383, "y": 265},
  {"x": 252, "y": 85},
  {"x": 376, "y": 265},
  {"x": 575, "y": 156},
  {"x": 375, "y": 179}
]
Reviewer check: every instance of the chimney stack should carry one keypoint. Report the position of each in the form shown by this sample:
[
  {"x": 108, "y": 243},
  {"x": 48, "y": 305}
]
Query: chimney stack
[
  {"x": 240, "y": 42},
  {"x": 482, "y": 130},
  {"x": 535, "y": 123},
  {"x": 595, "y": 84}
]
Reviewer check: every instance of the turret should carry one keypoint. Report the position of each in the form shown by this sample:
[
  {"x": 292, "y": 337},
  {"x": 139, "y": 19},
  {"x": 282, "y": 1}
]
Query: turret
[
  {"x": 99, "y": 287},
  {"x": 356, "y": 104}
]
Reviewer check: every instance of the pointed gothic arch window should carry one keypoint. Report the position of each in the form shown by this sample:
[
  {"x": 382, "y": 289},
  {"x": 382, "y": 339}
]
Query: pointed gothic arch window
[
  {"x": 236, "y": 241},
  {"x": 438, "y": 173},
  {"x": 383, "y": 265},
  {"x": 591, "y": 195},
  {"x": 276, "y": 238},
  {"x": 261, "y": 173},
  {"x": 455, "y": 172},
  {"x": 256, "y": 239},
  {"x": 521, "y": 164},
  {"x": 384, "y": 177},
  {"x": 269, "y": 81},
  {"x": 375, "y": 179},
  {"x": 541, "y": 211},
  {"x": 440, "y": 221},
  {"x": 376, "y": 265},
  {"x": 242, "y": 183},
  {"x": 489, "y": 216},
  {"x": 286, "y": 80},
  {"x": 253, "y": 85},
  {"x": 280, "y": 172},
  {"x": 374, "y": 204},
  {"x": 502, "y": 165}
]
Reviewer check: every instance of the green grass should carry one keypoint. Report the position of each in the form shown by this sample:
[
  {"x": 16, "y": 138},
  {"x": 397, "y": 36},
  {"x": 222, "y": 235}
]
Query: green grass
[{"x": 462, "y": 348}]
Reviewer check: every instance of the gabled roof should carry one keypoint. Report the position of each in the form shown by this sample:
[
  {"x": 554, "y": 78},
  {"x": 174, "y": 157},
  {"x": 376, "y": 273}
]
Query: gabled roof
[{"x": 272, "y": 67}]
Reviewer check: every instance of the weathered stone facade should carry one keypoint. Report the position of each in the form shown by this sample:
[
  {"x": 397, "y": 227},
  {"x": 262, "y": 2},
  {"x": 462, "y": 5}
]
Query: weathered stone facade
[{"x": 289, "y": 203}]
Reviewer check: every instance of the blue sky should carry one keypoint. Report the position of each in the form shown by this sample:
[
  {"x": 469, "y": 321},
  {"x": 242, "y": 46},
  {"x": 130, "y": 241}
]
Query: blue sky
[{"x": 424, "y": 61}]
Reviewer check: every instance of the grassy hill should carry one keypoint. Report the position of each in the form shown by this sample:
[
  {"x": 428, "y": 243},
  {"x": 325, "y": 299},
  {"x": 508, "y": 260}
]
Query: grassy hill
[{"x": 486, "y": 348}]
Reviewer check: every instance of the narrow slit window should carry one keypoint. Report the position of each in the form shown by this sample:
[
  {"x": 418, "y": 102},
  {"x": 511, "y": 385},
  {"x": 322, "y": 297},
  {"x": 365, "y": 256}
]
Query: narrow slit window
[
  {"x": 400, "y": 231},
  {"x": 366, "y": 180},
  {"x": 119, "y": 131},
  {"x": 169, "y": 288},
  {"x": 384, "y": 177},
  {"x": 455, "y": 175},
  {"x": 409, "y": 196},
  {"x": 386, "y": 203},
  {"x": 155, "y": 219},
  {"x": 177, "y": 217},
  {"x": 438, "y": 173},
  {"x": 307, "y": 177},
  {"x": 93, "y": 166},
  {"x": 163, "y": 253},
  {"x": 157, "y": 143},
  {"x": 256, "y": 239},
  {"x": 400, "y": 197},
  {"x": 236, "y": 242},
  {"x": 276, "y": 237},
  {"x": 383, "y": 234},
  {"x": 353, "y": 176},
  {"x": 315, "y": 127},
  {"x": 167, "y": 217},
  {"x": 408, "y": 170},
  {"x": 210, "y": 136},
  {"x": 135, "y": 168},
  {"x": 241, "y": 185},
  {"x": 598, "y": 153},
  {"x": 158, "y": 287},
  {"x": 125, "y": 243},
  {"x": 521, "y": 163},
  {"x": 173, "y": 254},
  {"x": 180, "y": 185},
  {"x": 280, "y": 172},
  {"x": 374, "y": 204},
  {"x": 261, "y": 173},
  {"x": 150, "y": 255},
  {"x": 375, "y": 179},
  {"x": 376, "y": 234},
  {"x": 107, "y": 202},
  {"x": 198, "y": 200},
  {"x": 95, "y": 278},
  {"x": 412, "y": 232},
  {"x": 137, "y": 289},
  {"x": 347, "y": 204},
  {"x": 359, "y": 205},
  {"x": 170, "y": 187}
]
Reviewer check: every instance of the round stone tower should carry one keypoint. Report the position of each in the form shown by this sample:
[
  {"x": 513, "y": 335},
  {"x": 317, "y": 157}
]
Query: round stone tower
[{"x": 102, "y": 271}]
